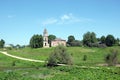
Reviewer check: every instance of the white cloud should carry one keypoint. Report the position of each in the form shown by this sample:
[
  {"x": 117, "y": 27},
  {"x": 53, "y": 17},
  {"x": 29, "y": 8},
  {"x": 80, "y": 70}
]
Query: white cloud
[
  {"x": 68, "y": 18},
  {"x": 11, "y": 16},
  {"x": 65, "y": 19}
]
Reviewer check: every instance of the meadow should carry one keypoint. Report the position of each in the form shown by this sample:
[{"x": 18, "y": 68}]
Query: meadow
[{"x": 89, "y": 69}]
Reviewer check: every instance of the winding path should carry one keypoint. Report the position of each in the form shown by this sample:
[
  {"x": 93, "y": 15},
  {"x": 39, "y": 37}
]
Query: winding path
[
  {"x": 26, "y": 59},
  {"x": 33, "y": 60}
]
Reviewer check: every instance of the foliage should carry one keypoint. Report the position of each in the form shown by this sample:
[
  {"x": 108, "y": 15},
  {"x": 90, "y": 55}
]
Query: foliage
[
  {"x": 102, "y": 39},
  {"x": 110, "y": 40},
  {"x": 84, "y": 57},
  {"x": 36, "y": 41},
  {"x": 76, "y": 43},
  {"x": 97, "y": 45},
  {"x": 111, "y": 58},
  {"x": 71, "y": 38},
  {"x": 50, "y": 38},
  {"x": 88, "y": 38},
  {"x": 59, "y": 56},
  {"x": 2, "y": 42}
]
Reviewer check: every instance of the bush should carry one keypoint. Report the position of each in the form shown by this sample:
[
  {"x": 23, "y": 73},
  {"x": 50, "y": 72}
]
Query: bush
[
  {"x": 111, "y": 58},
  {"x": 59, "y": 56},
  {"x": 97, "y": 45},
  {"x": 84, "y": 57},
  {"x": 76, "y": 43}
]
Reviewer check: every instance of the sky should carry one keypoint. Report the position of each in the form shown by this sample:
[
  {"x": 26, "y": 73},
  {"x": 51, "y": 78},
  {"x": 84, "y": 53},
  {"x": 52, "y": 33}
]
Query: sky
[{"x": 21, "y": 19}]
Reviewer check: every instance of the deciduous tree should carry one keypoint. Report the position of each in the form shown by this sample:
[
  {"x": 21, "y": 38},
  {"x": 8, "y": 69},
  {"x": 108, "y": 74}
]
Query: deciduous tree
[
  {"x": 89, "y": 38},
  {"x": 36, "y": 41}
]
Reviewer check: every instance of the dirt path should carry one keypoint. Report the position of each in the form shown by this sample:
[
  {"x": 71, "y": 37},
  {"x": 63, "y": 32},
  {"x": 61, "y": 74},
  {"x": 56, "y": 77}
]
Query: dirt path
[
  {"x": 26, "y": 59},
  {"x": 32, "y": 60}
]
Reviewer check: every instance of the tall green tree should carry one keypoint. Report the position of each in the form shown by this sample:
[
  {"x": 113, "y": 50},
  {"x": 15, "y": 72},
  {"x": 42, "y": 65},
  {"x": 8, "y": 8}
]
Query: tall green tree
[
  {"x": 36, "y": 41},
  {"x": 71, "y": 38},
  {"x": 50, "y": 38},
  {"x": 93, "y": 37},
  {"x": 110, "y": 40},
  {"x": 2, "y": 43},
  {"x": 102, "y": 39},
  {"x": 88, "y": 38}
]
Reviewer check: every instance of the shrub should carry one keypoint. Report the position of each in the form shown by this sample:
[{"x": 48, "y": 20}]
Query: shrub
[
  {"x": 97, "y": 45},
  {"x": 111, "y": 58},
  {"x": 14, "y": 63},
  {"x": 84, "y": 57},
  {"x": 59, "y": 56},
  {"x": 76, "y": 43}
]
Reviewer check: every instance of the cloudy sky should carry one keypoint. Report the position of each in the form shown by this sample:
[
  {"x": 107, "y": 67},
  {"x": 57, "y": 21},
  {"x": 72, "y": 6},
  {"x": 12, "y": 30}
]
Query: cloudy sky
[{"x": 21, "y": 19}]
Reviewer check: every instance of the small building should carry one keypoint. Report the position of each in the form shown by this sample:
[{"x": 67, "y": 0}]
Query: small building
[
  {"x": 58, "y": 41},
  {"x": 54, "y": 43}
]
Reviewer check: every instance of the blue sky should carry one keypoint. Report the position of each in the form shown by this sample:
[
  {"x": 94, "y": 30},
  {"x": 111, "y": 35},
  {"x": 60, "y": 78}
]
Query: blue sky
[{"x": 21, "y": 19}]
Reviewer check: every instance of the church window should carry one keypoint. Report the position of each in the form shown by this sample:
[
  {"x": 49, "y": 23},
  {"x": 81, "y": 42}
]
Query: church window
[{"x": 45, "y": 44}]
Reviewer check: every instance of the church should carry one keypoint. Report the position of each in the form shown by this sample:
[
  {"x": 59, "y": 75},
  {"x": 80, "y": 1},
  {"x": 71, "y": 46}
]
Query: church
[{"x": 54, "y": 43}]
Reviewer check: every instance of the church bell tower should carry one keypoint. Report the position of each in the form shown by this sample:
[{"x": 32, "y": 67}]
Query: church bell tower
[{"x": 45, "y": 39}]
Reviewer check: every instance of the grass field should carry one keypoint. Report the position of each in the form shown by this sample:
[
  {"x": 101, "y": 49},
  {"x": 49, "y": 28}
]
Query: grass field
[{"x": 15, "y": 69}]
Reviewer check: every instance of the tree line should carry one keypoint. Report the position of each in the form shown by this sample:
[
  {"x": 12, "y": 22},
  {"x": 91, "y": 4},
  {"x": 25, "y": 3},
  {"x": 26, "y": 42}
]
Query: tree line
[{"x": 89, "y": 40}]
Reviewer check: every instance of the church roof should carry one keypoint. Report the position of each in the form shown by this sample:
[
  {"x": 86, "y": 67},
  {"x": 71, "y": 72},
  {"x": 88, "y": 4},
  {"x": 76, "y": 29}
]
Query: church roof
[{"x": 58, "y": 39}]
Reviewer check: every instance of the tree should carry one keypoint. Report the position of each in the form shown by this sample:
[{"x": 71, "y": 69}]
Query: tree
[
  {"x": 36, "y": 41},
  {"x": 89, "y": 38},
  {"x": 71, "y": 38},
  {"x": 102, "y": 39},
  {"x": 59, "y": 56},
  {"x": 2, "y": 43},
  {"x": 93, "y": 37},
  {"x": 50, "y": 38},
  {"x": 86, "y": 38},
  {"x": 76, "y": 43},
  {"x": 112, "y": 58},
  {"x": 110, "y": 40}
]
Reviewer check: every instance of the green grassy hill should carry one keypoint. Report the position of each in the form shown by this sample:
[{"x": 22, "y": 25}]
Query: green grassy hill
[
  {"x": 15, "y": 69},
  {"x": 94, "y": 55}
]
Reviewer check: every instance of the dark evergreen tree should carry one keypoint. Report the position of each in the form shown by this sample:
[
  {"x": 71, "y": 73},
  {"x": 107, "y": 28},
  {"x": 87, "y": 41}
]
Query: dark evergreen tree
[
  {"x": 71, "y": 38},
  {"x": 110, "y": 40},
  {"x": 2, "y": 43}
]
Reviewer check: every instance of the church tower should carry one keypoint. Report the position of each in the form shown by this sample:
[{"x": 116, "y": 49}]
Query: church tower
[{"x": 45, "y": 39}]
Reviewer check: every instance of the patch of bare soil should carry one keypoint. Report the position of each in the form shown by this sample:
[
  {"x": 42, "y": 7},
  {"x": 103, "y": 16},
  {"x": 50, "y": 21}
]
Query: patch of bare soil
[{"x": 118, "y": 65}]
